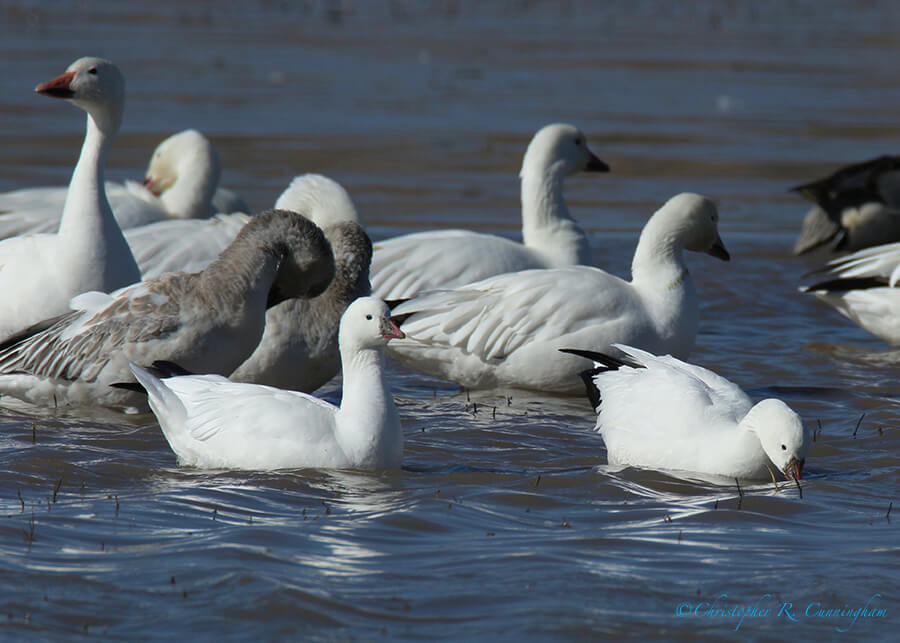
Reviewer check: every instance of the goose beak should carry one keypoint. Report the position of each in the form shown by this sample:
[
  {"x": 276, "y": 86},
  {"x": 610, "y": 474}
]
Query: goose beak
[
  {"x": 596, "y": 165},
  {"x": 58, "y": 87},
  {"x": 718, "y": 250},
  {"x": 793, "y": 470},
  {"x": 392, "y": 331},
  {"x": 149, "y": 182}
]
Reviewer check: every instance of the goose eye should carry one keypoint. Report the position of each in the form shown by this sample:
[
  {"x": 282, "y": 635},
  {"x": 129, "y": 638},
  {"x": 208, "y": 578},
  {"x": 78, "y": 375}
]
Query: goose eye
[
  {"x": 369, "y": 317},
  {"x": 783, "y": 448},
  {"x": 577, "y": 141},
  {"x": 92, "y": 70}
]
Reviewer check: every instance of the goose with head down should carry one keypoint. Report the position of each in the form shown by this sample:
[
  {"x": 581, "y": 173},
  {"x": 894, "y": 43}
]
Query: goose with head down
[
  {"x": 659, "y": 412},
  {"x": 209, "y": 321}
]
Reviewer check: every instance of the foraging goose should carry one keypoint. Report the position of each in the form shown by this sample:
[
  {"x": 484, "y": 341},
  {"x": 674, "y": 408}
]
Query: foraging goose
[
  {"x": 190, "y": 245},
  {"x": 411, "y": 263},
  {"x": 299, "y": 348},
  {"x": 208, "y": 321},
  {"x": 865, "y": 288},
  {"x": 180, "y": 183},
  {"x": 661, "y": 413},
  {"x": 505, "y": 331},
  {"x": 39, "y": 274},
  {"x": 859, "y": 205},
  {"x": 213, "y": 422}
]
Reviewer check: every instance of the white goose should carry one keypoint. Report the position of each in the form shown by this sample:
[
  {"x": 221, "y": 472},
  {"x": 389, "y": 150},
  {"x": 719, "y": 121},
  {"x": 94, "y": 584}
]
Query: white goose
[
  {"x": 506, "y": 331},
  {"x": 40, "y": 273},
  {"x": 855, "y": 207},
  {"x": 208, "y": 321},
  {"x": 180, "y": 183},
  {"x": 190, "y": 245},
  {"x": 865, "y": 288},
  {"x": 212, "y": 422},
  {"x": 411, "y": 263},
  {"x": 661, "y": 413}
]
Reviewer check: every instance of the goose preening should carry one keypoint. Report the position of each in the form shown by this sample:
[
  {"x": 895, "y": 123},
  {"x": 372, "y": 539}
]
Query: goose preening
[
  {"x": 180, "y": 182},
  {"x": 855, "y": 207},
  {"x": 299, "y": 348},
  {"x": 405, "y": 265},
  {"x": 865, "y": 288},
  {"x": 658, "y": 412},
  {"x": 212, "y": 422},
  {"x": 40, "y": 273},
  {"x": 191, "y": 244},
  {"x": 208, "y": 322},
  {"x": 505, "y": 331}
]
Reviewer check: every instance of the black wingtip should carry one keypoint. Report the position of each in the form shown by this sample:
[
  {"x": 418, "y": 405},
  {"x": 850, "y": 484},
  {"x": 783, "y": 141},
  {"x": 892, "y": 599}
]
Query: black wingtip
[
  {"x": 160, "y": 368},
  {"x": 393, "y": 303}
]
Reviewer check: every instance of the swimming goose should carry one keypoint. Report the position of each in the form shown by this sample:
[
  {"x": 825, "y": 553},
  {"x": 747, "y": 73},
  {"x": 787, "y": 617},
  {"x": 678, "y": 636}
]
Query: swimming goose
[
  {"x": 180, "y": 183},
  {"x": 39, "y": 274},
  {"x": 859, "y": 205},
  {"x": 190, "y": 245},
  {"x": 865, "y": 288},
  {"x": 505, "y": 331},
  {"x": 299, "y": 348},
  {"x": 411, "y": 263},
  {"x": 212, "y": 422},
  {"x": 661, "y": 413},
  {"x": 208, "y": 321}
]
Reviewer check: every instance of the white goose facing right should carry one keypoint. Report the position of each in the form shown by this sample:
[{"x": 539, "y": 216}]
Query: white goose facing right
[
  {"x": 39, "y": 274},
  {"x": 411, "y": 263},
  {"x": 506, "y": 331},
  {"x": 661, "y": 413},
  {"x": 212, "y": 422}
]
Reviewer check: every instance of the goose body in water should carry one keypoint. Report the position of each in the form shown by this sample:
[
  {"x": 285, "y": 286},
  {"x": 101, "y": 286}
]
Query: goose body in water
[{"x": 209, "y": 322}]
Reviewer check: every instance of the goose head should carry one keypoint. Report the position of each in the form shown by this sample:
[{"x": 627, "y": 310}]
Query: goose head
[
  {"x": 305, "y": 260},
  {"x": 561, "y": 150},
  {"x": 184, "y": 172},
  {"x": 96, "y": 86},
  {"x": 323, "y": 200},
  {"x": 781, "y": 434},
  {"x": 692, "y": 221},
  {"x": 352, "y": 250},
  {"x": 366, "y": 324}
]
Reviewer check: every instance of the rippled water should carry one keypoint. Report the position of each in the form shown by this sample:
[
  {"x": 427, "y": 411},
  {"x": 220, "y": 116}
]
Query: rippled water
[{"x": 505, "y": 521}]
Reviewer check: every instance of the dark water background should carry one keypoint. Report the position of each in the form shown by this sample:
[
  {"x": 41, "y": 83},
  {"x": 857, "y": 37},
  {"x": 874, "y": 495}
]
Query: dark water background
[{"x": 505, "y": 521}]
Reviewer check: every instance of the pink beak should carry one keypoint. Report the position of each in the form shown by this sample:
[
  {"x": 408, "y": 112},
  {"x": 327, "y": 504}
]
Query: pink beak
[
  {"x": 58, "y": 87},
  {"x": 393, "y": 331}
]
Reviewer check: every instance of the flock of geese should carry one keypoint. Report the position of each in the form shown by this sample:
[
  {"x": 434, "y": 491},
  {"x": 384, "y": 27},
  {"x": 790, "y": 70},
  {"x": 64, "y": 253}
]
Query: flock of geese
[{"x": 167, "y": 294}]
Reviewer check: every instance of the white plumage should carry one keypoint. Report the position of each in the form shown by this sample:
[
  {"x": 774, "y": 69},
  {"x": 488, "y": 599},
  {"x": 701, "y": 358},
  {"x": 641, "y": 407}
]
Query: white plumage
[
  {"x": 212, "y": 422},
  {"x": 411, "y": 263},
  {"x": 505, "y": 331},
  {"x": 659, "y": 412}
]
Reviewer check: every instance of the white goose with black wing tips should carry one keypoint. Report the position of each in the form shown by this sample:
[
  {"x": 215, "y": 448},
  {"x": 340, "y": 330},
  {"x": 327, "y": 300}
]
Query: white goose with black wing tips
[
  {"x": 405, "y": 265},
  {"x": 865, "y": 288},
  {"x": 39, "y": 274},
  {"x": 661, "y": 413},
  {"x": 209, "y": 321},
  {"x": 506, "y": 331},
  {"x": 180, "y": 183},
  {"x": 212, "y": 422}
]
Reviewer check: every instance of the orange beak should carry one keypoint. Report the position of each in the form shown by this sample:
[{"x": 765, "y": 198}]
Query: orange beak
[{"x": 58, "y": 87}]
